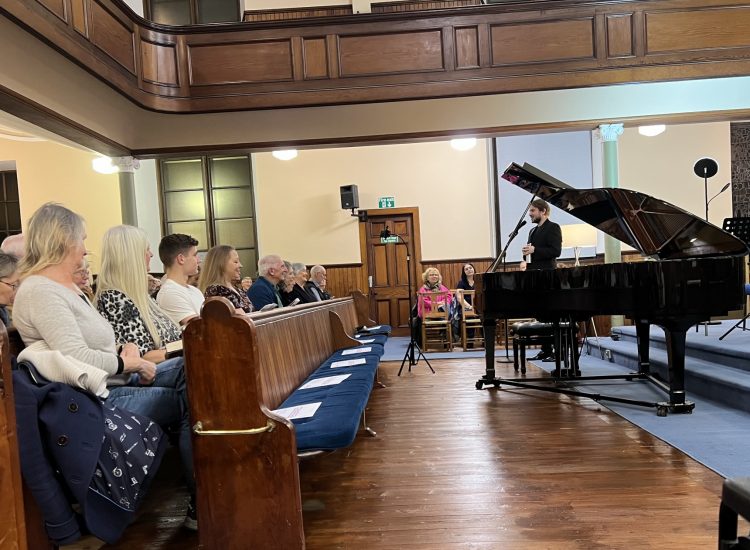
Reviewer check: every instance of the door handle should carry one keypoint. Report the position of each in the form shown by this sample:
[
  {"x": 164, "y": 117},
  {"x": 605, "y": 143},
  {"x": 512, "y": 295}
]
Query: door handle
[{"x": 369, "y": 281}]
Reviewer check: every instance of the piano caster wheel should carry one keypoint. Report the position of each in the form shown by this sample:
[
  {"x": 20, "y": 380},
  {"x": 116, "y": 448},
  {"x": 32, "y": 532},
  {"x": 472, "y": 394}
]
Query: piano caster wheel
[
  {"x": 661, "y": 410},
  {"x": 479, "y": 385}
]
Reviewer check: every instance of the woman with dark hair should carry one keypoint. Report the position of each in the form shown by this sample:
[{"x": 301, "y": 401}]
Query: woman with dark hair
[
  {"x": 467, "y": 282},
  {"x": 220, "y": 276}
]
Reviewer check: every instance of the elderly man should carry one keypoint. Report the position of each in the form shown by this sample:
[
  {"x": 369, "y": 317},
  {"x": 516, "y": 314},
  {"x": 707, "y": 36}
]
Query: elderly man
[
  {"x": 313, "y": 286},
  {"x": 271, "y": 271}
]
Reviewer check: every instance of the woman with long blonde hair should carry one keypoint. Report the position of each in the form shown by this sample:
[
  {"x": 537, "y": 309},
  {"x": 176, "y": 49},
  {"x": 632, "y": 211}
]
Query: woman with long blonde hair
[
  {"x": 122, "y": 293},
  {"x": 50, "y": 310},
  {"x": 221, "y": 271}
]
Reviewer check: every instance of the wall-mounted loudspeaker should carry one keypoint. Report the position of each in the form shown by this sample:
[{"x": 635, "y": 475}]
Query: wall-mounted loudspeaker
[{"x": 349, "y": 197}]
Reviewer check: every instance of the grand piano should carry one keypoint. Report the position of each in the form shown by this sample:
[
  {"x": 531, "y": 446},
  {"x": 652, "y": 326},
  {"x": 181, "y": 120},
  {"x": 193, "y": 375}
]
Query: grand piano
[{"x": 693, "y": 271}]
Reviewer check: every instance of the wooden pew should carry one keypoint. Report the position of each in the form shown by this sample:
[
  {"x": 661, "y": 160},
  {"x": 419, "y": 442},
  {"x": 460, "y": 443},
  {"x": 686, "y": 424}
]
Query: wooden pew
[
  {"x": 239, "y": 368},
  {"x": 21, "y": 525}
]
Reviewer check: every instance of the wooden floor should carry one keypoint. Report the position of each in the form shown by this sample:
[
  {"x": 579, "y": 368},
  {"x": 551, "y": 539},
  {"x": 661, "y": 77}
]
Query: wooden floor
[{"x": 453, "y": 467}]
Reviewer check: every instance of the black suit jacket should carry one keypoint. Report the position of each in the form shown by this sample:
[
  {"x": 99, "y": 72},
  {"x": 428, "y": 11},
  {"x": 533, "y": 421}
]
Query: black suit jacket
[{"x": 547, "y": 241}]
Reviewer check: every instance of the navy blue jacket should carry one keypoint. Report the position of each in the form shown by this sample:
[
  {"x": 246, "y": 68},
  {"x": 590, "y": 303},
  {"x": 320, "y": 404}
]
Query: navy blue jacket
[
  {"x": 262, "y": 293},
  {"x": 62, "y": 428}
]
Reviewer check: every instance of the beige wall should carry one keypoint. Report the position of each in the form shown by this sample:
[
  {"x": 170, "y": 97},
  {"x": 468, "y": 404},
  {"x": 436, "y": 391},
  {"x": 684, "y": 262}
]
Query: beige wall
[
  {"x": 299, "y": 206},
  {"x": 662, "y": 166},
  {"x": 51, "y": 172}
]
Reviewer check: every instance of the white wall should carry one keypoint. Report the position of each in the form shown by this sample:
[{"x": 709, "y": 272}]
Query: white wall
[{"x": 136, "y": 6}]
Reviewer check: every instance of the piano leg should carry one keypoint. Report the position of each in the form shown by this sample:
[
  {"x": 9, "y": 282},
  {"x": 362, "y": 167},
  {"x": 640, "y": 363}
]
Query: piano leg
[
  {"x": 642, "y": 332},
  {"x": 489, "y": 326},
  {"x": 675, "y": 339}
]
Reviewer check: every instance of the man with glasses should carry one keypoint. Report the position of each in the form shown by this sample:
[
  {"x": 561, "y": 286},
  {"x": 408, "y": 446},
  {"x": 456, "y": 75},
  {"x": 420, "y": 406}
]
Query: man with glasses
[
  {"x": 316, "y": 282},
  {"x": 8, "y": 284},
  {"x": 264, "y": 292},
  {"x": 178, "y": 299}
]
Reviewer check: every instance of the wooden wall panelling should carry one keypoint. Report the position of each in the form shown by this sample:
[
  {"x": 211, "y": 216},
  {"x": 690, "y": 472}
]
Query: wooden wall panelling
[
  {"x": 395, "y": 56},
  {"x": 315, "y": 57},
  {"x": 619, "y": 35},
  {"x": 697, "y": 29},
  {"x": 159, "y": 63},
  {"x": 343, "y": 279},
  {"x": 389, "y": 53},
  {"x": 240, "y": 62},
  {"x": 467, "y": 47},
  {"x": 556, "y": 41},
  {"x": 55, "y": 6},
  {"x": 112, "y": 35},
  {"x": 287, "y": 14},
  {"x": 79, "y": 16}
]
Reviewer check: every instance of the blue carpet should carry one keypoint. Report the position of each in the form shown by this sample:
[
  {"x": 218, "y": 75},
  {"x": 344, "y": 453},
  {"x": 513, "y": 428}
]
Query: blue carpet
[{"x": 715, "y": 435}]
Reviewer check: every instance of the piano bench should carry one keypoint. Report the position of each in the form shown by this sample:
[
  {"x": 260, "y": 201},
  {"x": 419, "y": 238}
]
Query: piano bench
[
  {"x": 531, "y": 333},
  {"x": 735, "y": 501}
]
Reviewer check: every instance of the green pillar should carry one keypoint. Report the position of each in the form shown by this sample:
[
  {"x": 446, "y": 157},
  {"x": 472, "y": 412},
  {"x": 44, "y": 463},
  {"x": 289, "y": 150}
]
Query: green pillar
[
  {"x": 610, "y": 176},
  {"x": 128, "y": 208}
]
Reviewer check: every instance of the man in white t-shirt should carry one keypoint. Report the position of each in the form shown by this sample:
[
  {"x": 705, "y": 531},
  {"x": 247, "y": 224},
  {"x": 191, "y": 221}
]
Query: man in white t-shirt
[{"x": 178, "y": 299}]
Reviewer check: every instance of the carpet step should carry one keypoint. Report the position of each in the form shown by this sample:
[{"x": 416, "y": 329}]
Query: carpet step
[
  {"x": 733, "y": 351},
  {"x": 718, "y": 382}
]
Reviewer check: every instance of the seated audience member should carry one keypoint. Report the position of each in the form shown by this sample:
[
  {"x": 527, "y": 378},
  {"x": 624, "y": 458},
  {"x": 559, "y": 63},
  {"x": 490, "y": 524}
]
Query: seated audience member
[
  {"x": 246, "y": 283},
  {"x": 122, "y": 294},
  {"x": 14, "y": 245},
  {"x": 82, "y": 279},
  {"x": 467, "y": 282},
  {"x": 8, "y": 284},
  {"x": 51, "y": 313},
  {"x": 219, "y": 277},
  {"x": 432, "y": 283},
  {"x": 271, "y": 271},
  {"x": 177, "y": 298},
  {"x": 295, "y": 286},
  {"x": 316, "y": 285},
  {"x": 154, "y": 285}
]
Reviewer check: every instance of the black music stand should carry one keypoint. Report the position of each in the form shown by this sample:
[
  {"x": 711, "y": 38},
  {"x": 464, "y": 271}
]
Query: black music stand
[{"x": 740, "y": 228}]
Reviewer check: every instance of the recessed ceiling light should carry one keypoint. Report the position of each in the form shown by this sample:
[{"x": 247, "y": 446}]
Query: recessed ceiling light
[
  {"x": 285, "y": 154},
  {"x": 463, "y": 144},
  {"x": 651, "y": 131}
]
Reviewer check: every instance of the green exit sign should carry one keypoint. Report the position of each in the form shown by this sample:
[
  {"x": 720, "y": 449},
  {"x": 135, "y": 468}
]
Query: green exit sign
[
  {"x": 391, "y": 239},
  {"x": 387, "y": 202}
]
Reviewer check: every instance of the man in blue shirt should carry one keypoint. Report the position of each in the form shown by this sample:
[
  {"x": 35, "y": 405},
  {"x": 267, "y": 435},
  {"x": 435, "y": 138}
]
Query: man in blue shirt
[{"x": 271, "y": 271}]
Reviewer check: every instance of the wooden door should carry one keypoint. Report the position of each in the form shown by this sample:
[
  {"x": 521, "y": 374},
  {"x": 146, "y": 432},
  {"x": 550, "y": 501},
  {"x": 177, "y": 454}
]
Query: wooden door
[{"x": 387, "y": 267}]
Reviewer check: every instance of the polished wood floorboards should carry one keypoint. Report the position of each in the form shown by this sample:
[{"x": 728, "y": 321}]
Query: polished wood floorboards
[{"x": 456, "y": 468}]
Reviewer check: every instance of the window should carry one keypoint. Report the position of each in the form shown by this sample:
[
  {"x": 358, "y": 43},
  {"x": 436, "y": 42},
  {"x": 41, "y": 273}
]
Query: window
[
  {"x": 10, "y": 209},
  {"x": 212, "y": 199},
  {"x": 192, "y": 12}
]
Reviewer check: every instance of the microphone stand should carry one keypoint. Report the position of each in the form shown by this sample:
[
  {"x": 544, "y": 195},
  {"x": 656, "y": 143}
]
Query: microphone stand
[
  {"x": 413, "y": 346},
  {"x": 502, "y": 258}
]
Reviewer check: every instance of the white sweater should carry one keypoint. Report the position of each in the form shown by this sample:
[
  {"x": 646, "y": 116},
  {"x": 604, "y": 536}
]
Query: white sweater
[{"x": 48, "y": 311}]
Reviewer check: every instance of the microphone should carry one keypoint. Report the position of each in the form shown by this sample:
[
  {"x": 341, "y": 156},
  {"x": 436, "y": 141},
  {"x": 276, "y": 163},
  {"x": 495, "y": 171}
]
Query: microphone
[
  {"x": 519, "y": 226},
  {"x": 385, "y": 233}
]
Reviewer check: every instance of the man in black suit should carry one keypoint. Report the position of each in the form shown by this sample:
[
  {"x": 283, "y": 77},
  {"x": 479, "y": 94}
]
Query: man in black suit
[
  {"x": 545, "y": 240},
  {"x": 542, "y": 250}
]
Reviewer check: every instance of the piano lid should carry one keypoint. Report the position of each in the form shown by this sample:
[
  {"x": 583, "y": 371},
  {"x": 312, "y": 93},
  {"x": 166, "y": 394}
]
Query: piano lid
[{"x": 652, "y": 226}]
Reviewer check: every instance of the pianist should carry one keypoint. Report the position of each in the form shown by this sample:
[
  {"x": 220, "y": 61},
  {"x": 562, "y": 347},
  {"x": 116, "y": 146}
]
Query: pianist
[
  {"x": 545, "y": 240},
  {"x": 543, "y": 248}
]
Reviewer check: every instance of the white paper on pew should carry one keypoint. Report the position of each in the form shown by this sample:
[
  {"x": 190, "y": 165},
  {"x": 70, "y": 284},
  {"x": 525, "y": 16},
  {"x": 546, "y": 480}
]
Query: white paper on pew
[
  {"x": 369, "y": 341},
  {"x": 352, "y": 351},
  {"x": 327, "y": 381},
  {"x": 348, "y": 363},
  {"x": 298, "y": 411},
  {"x": 373, "y": 328}
]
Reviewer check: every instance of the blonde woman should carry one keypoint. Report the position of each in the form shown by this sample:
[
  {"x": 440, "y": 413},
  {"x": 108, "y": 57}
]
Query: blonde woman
[
  {"x": 50, "y": 309},
  {"x": 433, "y": 282},
  {"x": 122, "y": 294},
  {"x": 221, "y": 272}
]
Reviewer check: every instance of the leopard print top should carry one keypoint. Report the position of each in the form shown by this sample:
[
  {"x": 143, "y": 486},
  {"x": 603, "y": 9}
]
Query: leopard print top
[
  {"x": 126, "y": 320},
  {"x": 238, "y": 297}
]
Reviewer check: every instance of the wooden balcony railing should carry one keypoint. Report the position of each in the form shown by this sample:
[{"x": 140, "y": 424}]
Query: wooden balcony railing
[{"x": 504, "y": 47}]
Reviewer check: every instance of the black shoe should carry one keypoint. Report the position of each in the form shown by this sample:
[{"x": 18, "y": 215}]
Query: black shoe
[
  {"x": 191, "y": 518},
  {"x": 548, "y": 359},
  {"x": 541, "y": 356}
]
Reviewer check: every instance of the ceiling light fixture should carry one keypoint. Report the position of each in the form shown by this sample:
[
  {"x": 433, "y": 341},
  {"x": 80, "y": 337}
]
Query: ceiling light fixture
[
  {"x": 285, "y": 154},
  {"x": 463, "y": 144},
  {"x": 104, "y": 165},
  {"x": 651, "y": 131}
]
